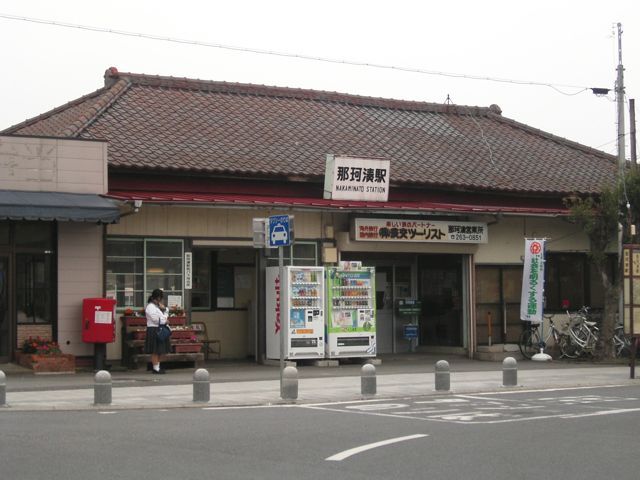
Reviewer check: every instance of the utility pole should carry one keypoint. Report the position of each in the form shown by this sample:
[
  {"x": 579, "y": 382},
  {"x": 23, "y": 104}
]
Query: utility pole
[
  {"x": 620, "y": 100},
  {"x": 632, "y": 132}
]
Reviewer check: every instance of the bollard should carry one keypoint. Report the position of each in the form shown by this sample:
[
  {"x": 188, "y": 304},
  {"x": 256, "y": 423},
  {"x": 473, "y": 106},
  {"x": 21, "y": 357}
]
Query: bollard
[
  {"x": 289, "y": 383},
  {"x": 443, "y": 381},
  {"x": 3, "y": 389},
  {"x": 201, "y": 386},
  {"x": 368, "y": 384},
  {"x": 102, "y": 388},
  {"x": 509, "y": 372}
]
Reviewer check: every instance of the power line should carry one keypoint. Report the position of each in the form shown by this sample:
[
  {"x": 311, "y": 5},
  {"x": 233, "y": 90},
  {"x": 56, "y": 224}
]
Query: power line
[{"x": 557, "y": 87}]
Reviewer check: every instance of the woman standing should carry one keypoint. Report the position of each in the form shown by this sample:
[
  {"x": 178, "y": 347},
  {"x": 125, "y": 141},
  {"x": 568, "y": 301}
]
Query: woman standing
[{"x": 157, "y": 315}]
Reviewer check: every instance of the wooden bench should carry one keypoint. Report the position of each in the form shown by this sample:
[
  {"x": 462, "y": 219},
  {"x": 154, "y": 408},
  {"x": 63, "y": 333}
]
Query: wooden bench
[{"x": 185, "y": 346}]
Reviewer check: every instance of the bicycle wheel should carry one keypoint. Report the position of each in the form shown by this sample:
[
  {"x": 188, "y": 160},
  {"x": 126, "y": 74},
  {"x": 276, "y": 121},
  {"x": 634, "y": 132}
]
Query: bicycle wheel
[
  {"x": 567, "y": 347},
  {"x": 529, "y": 343},
  {"x": 621, "y": 343}
]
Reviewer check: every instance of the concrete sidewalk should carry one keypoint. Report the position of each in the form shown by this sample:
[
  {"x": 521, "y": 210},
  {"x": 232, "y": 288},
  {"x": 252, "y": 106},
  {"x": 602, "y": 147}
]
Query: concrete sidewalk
[{"x": 243, "y": 384}]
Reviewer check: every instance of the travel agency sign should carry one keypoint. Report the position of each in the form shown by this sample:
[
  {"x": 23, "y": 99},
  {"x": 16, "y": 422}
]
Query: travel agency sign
[
  {"x": 433, "y": 231},
  {"x": 353, "y": 178}
]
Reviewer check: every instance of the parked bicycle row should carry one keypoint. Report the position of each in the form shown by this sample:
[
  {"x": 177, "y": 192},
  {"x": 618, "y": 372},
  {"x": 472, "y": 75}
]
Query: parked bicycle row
[{"x": 576, "y": 337}]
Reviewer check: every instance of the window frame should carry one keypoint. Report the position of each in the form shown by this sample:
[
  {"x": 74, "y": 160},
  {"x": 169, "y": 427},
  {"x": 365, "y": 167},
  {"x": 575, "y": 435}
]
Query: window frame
[{"x": 146, "y": 291}]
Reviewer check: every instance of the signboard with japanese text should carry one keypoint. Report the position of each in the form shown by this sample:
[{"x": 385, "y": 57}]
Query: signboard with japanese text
[
  {"x": 631, "y": 291},
  {"x": 188, "y": 270},
  {"x": 531, "y": 300},
  {"x": 352, "y": 178},
  {"x": 395, "y": 230}
]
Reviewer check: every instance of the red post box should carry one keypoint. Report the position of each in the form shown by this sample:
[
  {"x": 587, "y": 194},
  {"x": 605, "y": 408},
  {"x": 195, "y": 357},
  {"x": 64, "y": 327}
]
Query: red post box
[{"x": 98, "y": 320}]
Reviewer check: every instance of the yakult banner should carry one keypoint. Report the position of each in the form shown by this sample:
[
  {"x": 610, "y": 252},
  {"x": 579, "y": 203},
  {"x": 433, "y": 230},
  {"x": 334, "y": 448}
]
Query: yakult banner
[{"x": 531, "y": 301}]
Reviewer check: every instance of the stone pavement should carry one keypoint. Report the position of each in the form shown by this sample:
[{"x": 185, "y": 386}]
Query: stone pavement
[{"x": 245, "y": 384}]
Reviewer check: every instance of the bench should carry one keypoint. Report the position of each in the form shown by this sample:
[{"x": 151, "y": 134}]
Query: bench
[{"x": 185, "y": 346}]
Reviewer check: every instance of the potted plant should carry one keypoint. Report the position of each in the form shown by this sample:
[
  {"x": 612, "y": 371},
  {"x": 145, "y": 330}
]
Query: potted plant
[{"x": 44, "y": 356}]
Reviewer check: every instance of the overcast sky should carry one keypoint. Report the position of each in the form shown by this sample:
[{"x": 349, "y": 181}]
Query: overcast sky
[{"x": 558, "y": 42}]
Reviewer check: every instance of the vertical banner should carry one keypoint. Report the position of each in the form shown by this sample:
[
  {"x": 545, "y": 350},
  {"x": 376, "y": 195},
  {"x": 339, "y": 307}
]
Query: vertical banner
[{"x": 531, "y": 301}]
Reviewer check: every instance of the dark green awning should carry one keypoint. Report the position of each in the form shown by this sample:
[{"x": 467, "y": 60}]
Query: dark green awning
[{"x": 63, "y": 207}]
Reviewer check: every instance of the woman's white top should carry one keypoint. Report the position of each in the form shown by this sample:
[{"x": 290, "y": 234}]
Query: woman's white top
[{"x": 155, "y": 316}]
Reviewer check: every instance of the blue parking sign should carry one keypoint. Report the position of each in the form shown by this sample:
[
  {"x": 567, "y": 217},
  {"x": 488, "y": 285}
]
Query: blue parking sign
[{"x": 279, "y": 234}]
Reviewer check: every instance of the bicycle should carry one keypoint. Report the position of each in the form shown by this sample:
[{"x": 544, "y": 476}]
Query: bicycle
[
  {"x": 584, "y": 333},
  {"x": 621, "y": 342},
  {"x": 530, "y": 342}
]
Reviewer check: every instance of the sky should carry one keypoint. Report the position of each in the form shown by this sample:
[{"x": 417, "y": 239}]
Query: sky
[{"x": 560, "y": 42}]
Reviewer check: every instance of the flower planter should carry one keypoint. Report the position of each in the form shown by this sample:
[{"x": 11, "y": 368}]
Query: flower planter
[
  {"x": 188, "y": 348},
  {"x": 61, "y": 363},
  {"x": 134, "y": 321},
  {"x": 182, "y": 334}
]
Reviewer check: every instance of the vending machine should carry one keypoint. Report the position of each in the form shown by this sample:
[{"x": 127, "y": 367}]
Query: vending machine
[
  {"x": 295, "y": 303},
  {"x": 351, "y": 311}
]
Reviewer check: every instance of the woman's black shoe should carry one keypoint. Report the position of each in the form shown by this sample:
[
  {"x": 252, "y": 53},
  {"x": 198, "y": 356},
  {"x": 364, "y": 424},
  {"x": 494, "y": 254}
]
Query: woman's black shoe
[{"x": 157, "y": 372}]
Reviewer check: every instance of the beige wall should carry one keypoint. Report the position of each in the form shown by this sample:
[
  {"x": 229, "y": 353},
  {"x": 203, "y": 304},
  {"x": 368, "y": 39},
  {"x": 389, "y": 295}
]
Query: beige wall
[
  {"x": 506, "y": 238},
  {"x": 80, "y": 263},
  {"x": 53, "y": 165},
  {"x": 203, "y": 222},
  {"x": 231, "y": 327}
]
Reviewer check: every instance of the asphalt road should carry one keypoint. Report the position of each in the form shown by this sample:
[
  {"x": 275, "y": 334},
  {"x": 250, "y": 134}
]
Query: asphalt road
[{"x": 554, "y": 434}]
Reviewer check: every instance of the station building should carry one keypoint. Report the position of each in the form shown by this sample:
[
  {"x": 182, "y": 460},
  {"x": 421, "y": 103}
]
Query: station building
[{"x": 180, "y": 167}]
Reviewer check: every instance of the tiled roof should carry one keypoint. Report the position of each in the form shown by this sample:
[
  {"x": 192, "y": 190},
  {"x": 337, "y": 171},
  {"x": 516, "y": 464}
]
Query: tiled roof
[{"x": 167, "y": 123}]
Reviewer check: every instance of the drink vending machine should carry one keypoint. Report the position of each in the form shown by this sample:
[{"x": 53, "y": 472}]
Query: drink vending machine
[
  {"x": 351, "y": 311},
  {"x": 296, "y": 304}
]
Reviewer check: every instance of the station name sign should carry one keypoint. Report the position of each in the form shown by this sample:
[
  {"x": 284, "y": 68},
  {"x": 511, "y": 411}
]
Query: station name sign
[
  {"x": 432, "y": 231},
  {"x": 352, "y": 178}
]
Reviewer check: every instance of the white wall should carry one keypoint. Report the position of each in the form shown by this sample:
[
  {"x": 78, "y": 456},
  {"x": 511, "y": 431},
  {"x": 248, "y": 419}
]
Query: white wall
[
  {"x": 80, "y": 263},
  {"x": 53, "y": 165}
]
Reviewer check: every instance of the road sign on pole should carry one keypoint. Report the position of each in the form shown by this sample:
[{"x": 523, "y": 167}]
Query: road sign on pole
[{"x": 279, "y": 232}]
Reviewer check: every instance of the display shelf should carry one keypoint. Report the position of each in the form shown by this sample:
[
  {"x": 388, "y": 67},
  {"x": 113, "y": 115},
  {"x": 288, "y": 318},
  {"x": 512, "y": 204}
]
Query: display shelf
[{"x": 352, "y": 297}]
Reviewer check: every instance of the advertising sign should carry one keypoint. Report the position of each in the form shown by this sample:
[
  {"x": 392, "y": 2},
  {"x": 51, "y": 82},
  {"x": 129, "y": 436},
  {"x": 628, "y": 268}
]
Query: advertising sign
[
  {"x": 403, "y": 230},
  {"x": 531, "y": 300},
  {"x": 352, "y": 178},
  {"x": 631, "y": 273}
]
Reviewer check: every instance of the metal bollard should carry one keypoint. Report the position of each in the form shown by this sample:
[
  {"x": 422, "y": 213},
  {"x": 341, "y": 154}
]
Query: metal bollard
[
  {"x": 509, "y": 372},
  {"x": 368, "y": 383},
  {"x": 201, "y": 386},
  {"x": 3, "y": 389},
  {"x": 102, "y": 388},
  {"x": 443, "y": 379},
  {"x": 289, "y": 383}
]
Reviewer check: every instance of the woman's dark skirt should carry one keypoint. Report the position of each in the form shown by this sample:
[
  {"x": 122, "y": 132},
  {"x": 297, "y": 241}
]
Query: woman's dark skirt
[{"x": 153, "y": 345}]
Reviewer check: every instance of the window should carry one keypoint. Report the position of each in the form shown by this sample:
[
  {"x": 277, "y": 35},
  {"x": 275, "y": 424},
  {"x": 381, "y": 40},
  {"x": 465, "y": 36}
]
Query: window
[
  {"x": 135, "y": 267},
  {"x": 498, "y": 291},
  {"x": 222, "y": 278},
  {"x": 572, "y": 277},
  {"x": 33, "y": 288},
  {"x": 302, "y": 254}
]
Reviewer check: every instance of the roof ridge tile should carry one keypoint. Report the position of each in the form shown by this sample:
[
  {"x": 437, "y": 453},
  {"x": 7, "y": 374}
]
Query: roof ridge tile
[{"x": 141, "y": 79}]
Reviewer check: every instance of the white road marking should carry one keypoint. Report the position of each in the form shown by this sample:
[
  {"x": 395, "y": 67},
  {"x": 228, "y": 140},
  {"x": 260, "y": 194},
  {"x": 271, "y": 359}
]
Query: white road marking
[
  {"x": 377, "y": 406},
  {"x": 601, "y": 412},
  {"x": 107, "y": 413},
  {"x": 444, "y": 400},
  {"x": 363, "y": 448},
  {"x": 559, "y": 389}
]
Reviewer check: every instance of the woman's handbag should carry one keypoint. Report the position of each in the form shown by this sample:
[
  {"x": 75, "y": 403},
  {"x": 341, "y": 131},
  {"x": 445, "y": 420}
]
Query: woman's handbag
[{"x": 164, "y": 332}]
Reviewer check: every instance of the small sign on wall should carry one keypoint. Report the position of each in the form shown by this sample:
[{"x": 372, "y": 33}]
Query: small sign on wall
[
  {"x": 188, "y": 270},
  {"x": 353, "y": 178}
]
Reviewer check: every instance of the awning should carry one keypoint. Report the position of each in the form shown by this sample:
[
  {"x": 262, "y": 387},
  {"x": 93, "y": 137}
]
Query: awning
[
  {"x": 64, "y": 207},
  {"x": 417, "y": 206}
]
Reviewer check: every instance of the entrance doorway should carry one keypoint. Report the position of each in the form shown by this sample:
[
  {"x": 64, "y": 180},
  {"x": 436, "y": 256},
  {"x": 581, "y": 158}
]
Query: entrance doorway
[{"x": 441, "y": 293}]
